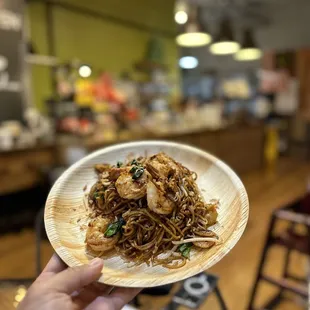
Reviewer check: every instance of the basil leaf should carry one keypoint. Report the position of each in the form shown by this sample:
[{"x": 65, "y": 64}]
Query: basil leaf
[
  {"x": 114, "y": 228},
  {"x": 134, "y": 162},
  {"x": 137, "y": 174},
  {"x": 96, "y": 194},
  {"x": 119, "y": 164},
  {"x": 185, "y": 249},
  {"x": 133, "y": 169}
]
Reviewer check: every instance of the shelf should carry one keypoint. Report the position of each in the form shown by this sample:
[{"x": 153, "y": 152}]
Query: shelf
[{"x": 43, "y": 60}]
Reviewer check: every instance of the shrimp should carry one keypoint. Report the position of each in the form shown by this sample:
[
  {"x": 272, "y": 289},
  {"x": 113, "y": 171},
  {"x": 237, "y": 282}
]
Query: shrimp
[
  {"x": 162, "y": 166},
  {"x": 115, "y": 173},
  {"x": 128, "y": 188},
  {"x": 156, "y": 200},
  {"x": 95, "y": 238}
]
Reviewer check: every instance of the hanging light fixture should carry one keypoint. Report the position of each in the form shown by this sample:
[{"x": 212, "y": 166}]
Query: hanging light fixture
[
  {"x": 181, "y": 12},
  {"x": 249, "y": 50},
  {"x": 224, "y": 43},
  {"x": 187, "y": 59},
  {"x": 85, "y": 71},
  {"x": 188, "y": 62},
  {"x": 193, "y": 32}
]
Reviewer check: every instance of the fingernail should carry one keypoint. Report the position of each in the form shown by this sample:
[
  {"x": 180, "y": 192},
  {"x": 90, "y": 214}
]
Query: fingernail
[{"x": 96, "y": 262}]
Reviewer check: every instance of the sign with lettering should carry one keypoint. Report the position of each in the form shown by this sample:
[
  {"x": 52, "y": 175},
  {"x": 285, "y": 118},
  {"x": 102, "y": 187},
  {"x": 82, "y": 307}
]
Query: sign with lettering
[{"x": 11, "y": 23}]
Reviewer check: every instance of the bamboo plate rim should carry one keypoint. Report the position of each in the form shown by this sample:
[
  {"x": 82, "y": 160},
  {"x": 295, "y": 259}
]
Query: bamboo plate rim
[{"x": 184, "y": 273}]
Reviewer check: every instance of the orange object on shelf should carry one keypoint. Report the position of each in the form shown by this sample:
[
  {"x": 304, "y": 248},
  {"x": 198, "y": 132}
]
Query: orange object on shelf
[{"x": 104, "y": 90}]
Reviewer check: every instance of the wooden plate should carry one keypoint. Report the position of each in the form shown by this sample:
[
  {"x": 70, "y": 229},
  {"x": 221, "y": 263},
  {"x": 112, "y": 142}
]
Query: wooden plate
[{"x": 66, "y": 215}]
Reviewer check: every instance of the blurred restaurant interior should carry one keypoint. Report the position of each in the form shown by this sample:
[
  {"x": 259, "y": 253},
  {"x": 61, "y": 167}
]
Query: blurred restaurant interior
[{"x": 231, "y": 77}]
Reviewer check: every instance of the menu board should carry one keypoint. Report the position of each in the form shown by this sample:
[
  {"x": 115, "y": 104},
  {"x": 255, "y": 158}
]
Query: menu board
[{"x": 11, "y": 23}]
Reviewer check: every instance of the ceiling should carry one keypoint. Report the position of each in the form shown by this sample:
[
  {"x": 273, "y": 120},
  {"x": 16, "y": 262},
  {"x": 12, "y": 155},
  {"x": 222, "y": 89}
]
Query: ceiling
[{"x": 277, "y": 24}]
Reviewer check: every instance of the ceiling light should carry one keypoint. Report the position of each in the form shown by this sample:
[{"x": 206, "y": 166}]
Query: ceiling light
[
  {"x": 194, "y": 39},
  {"x": 188, "y": 62},
  {"x": 249, "y": 50},
  {"x": 193, "y": 33},
  {"x": 181, "y": 17},
  {"x": 224, "y": 43},
  {"x": 224, "y": 48},
  {"x": 247, "y": 54},
  {"x": 85, "y": 71},
  {"x": 180, "y": 12}
]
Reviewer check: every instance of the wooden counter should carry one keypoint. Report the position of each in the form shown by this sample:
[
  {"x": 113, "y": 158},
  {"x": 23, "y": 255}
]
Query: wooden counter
[
  {"x": 240, "y": 147},
  {"x": 21, "y": 168}
]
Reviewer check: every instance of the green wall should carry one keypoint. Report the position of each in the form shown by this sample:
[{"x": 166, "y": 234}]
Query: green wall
[
  {"x": 101, "y": 43},
  {"x": 41, "y": 76}
]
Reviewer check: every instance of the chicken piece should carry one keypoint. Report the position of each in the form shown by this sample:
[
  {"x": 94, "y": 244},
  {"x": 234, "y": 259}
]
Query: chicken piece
[
  {"x": 157, "y": 201},
  {"x": 128, "y": 188},
  {"x": 95, "y": 237}
]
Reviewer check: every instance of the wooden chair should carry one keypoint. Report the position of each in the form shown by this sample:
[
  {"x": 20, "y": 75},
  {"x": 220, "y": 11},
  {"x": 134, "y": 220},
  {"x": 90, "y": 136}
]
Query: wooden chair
[{"x": 295, "y": 214}]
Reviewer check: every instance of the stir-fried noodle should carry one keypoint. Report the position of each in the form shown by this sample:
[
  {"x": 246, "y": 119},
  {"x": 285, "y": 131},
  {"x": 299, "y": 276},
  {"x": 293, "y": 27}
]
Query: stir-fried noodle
[{"x": 151, "y": 211}]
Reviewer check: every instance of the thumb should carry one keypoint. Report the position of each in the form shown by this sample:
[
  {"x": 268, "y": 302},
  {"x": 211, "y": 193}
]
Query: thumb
[{"x": 74, "y": 279}]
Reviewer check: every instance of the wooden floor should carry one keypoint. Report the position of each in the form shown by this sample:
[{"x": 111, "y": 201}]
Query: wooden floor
[{"x": 236, "y": 271}]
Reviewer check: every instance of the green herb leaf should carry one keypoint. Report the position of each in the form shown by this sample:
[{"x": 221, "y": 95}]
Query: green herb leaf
[
  {"x": 119, "y": 164},
  {"x": 133, "y": 169},
  {"x": 185, "y": 249},
  {"x": 137, "y": 174},
  {"x": 96, "y": 195},
  {"x": 114, "y": 228},
  {"x": 134, "y": 162}
]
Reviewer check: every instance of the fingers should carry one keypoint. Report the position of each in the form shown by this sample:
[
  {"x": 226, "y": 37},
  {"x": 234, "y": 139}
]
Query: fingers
[
  {"x": 55, "y": 265},
  {"x": 116, "y": 300},
  {"x": 120, "y": 296},
  {"x": 74, "y": 279},
  {"x": 101, "y": 288},
  {"x": 91, "y": 292}
]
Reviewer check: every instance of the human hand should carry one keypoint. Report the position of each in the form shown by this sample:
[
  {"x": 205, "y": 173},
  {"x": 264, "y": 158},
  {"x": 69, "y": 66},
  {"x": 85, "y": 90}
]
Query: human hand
[{"x": 62, "y": 288}]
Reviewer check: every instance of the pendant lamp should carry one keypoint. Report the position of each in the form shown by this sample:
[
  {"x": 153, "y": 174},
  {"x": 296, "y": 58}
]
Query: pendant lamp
[
  {"x": 249, "y": 50},
  {"x": 224, "y": 43},
  {"x": 181, "y": 12},
  {"x": 193, "y": 32}
]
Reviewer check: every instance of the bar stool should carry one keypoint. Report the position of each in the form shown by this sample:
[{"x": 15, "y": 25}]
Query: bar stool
[{"x": 291, "y": 240}]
